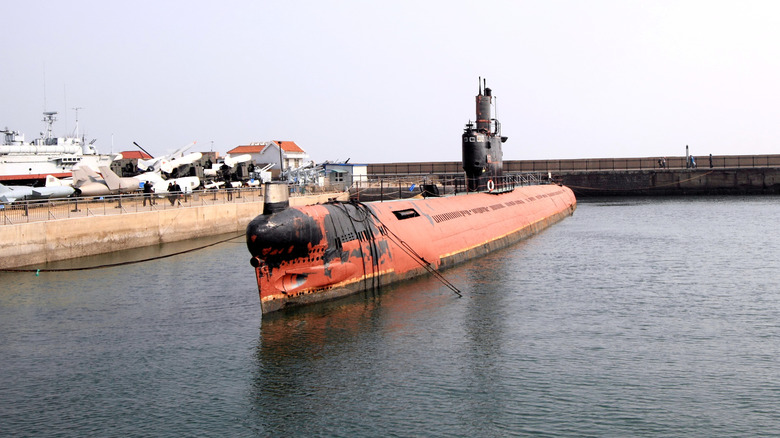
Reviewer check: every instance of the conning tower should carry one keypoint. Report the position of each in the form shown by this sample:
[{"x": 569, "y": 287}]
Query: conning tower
[{"x": 482, "y": 155}]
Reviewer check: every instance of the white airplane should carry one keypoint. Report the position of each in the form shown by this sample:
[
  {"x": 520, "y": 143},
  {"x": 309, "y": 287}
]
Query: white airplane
[
  {"x": 10, "y": 194},
  {"x": 155, "y": 164},
  {"x": 88, "y": 183},
  {"x": 119, "y": 184}
]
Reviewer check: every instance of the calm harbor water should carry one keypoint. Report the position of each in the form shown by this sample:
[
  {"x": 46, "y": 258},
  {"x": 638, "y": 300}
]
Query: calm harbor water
[{"x": 634, "y": 317}]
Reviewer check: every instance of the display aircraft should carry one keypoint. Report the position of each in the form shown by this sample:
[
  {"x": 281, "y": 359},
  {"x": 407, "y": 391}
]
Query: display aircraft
[
  {"x": 167, "y": 163},
  {"x": 159, "y": 184},
  {"x": 88, "y": 183},
  {"x": 21, "y": 193}
]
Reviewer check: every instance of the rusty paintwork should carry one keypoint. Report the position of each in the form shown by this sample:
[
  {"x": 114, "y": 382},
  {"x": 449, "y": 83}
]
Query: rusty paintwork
[{"x": 320, "y": 252}]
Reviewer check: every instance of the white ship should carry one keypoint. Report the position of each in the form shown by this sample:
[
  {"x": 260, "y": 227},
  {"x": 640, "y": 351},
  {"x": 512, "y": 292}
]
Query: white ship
[{"x": 48, "y": 155}]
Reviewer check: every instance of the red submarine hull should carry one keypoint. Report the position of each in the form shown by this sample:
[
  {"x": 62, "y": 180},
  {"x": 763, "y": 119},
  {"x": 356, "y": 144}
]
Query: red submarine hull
[{"x": 309, "y": 254}]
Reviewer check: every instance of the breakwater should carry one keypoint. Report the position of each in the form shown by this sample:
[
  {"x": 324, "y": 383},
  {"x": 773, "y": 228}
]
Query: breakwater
[
  {"x": 37, "y": 242},
  {"x": 729, "y": 181},
  {"x": 721, "y": 174}
]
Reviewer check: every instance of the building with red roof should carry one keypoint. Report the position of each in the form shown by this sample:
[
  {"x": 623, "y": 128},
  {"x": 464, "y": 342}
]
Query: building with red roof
[{"x": 291, "y": 155}]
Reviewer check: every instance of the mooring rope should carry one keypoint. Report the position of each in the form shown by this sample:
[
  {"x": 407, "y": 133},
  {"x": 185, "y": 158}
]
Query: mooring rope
[
  {"x": 413, "y": 254},
  {"x": 111, "y": 265}
]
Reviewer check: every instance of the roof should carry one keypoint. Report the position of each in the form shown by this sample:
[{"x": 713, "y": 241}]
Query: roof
[
  {"x": 135, "y": 155},
  {"x": 248, "y": 149},
  {"x": 256, "y": 148},
  {"x": 289, "y": 146}
]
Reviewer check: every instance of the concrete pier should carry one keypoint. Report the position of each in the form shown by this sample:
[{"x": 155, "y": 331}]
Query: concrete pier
[{"x": 35, "y": 243}]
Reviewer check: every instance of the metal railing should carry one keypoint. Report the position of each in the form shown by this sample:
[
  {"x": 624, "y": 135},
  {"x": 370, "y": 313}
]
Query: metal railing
[
  {"x": 391, "y": 187},
  {"x": 67, "y": 208}
]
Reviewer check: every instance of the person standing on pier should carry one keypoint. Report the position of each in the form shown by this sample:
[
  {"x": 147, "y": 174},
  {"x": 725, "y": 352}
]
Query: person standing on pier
[
  {"x": 176, "y": 193},
  {"x": 148, "y": 193},
  {"x": 171, "y": 196}
]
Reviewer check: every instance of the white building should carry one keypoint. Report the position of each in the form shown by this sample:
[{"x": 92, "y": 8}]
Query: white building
[
  {"x": 291, "y": 154},
  {"x": 344, "y": 174}
]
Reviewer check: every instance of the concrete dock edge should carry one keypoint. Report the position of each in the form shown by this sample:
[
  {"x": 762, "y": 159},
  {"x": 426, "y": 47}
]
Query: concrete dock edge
[{"x": 36, "y": 243}]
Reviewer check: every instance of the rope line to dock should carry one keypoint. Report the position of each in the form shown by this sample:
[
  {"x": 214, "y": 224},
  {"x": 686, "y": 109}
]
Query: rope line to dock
[
  {"x": 641, "y": 188},
  {"x": 132, "y": 262},
  {"x": 413, "y": 254}
]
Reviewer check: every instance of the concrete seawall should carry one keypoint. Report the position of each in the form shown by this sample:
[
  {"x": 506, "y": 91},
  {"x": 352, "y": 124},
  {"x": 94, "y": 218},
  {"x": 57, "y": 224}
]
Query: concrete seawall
[
  {"x": 719, "y": 174},
  {"x": 40, "y": 242},
  {"x": 665, "y": 182}
]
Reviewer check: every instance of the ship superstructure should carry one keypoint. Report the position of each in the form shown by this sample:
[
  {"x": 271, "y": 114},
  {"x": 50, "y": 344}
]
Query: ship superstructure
[{"x": 48, "y": 155}]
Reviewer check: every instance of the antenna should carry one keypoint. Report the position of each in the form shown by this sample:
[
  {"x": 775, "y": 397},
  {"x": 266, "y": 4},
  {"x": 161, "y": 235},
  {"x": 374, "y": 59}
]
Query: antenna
[
  {"x": 77, "y": 108},
  {"x": 49, "y": 119},
  {"x": 65, "y": 99},
  {"x": 44, "y": 87}
]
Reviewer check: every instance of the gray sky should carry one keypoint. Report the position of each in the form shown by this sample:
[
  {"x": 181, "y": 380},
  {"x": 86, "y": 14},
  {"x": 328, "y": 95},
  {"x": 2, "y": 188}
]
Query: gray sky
[{"x": 395, "y": 81}]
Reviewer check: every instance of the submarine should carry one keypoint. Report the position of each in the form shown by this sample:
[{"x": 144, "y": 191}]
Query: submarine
[{"x": 307, "y": 254}]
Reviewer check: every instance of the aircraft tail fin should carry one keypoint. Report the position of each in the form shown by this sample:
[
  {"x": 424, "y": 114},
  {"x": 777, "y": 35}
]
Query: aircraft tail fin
[
  {"x": 79, "y": 177},
  {"x": 112, "y": 179},
  {"x": 90, "y": 172},
  {"x": 4, "y": 189},
  {"x": 52, "y": 181}
]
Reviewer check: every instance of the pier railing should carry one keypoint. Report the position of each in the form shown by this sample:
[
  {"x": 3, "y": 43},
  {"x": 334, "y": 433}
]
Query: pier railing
[
  {"x": 66, "y": 208},
  {"x": 390, "y": 187}
]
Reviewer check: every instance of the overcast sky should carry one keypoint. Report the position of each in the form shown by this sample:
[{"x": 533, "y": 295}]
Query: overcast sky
[{"x": 394, "y": 81}]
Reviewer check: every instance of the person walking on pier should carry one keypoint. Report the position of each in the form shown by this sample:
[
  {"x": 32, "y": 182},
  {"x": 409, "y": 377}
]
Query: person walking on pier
[
  {"x": 171, "y": 196},
  {"x": 177, "y": 192},
  {"x": 148, "y": 193}
]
